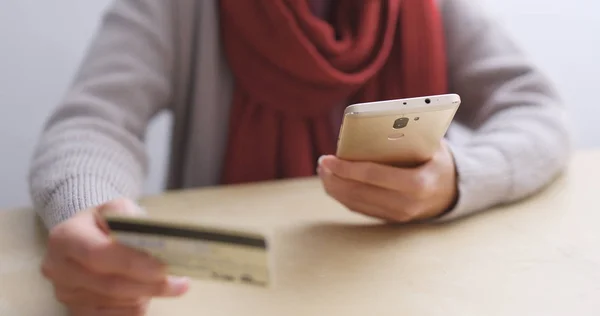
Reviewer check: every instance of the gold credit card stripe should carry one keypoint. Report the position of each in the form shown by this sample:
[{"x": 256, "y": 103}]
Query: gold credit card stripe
[{"x": 188, "y": 233}]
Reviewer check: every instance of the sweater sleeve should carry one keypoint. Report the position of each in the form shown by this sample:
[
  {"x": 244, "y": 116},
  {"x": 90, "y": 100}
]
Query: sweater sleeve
[
  {"x": 518, "y": 135},
  {"x": 92, "y": 148}
]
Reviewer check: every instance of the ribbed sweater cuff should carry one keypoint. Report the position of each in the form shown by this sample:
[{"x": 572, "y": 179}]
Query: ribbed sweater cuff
[
  {"x": 484, "y": 180},
  {"x": 74, "y": 195}
]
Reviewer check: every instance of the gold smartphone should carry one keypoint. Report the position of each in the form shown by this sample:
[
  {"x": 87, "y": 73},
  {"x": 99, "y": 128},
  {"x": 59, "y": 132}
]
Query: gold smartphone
[{"x": 403, "y": 132}]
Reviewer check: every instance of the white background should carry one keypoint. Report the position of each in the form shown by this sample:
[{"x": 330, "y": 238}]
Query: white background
[{"x": 42, "y": 42}]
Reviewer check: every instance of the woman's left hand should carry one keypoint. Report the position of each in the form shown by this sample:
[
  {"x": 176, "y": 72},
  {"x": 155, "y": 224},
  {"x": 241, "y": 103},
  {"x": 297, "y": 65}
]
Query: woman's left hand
[{"x": 393, "y": 194}]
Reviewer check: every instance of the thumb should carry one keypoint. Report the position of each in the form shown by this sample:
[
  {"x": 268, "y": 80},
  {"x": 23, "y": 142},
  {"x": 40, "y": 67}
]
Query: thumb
[{"x": 122, "y": 207}]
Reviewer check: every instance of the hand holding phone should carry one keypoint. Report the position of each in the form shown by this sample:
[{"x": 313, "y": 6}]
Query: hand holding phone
[
  {"x": 393, "y": 194},
  {"x": 392, "y": 162}
]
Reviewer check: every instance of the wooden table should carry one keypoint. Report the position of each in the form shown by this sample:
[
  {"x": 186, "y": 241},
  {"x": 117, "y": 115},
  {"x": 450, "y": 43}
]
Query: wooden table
[{"x": 538, "y": 257}]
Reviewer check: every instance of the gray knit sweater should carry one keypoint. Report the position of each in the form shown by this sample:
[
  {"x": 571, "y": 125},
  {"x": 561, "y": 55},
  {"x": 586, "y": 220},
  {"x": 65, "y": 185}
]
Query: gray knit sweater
[{"x": 509, "y": 138}]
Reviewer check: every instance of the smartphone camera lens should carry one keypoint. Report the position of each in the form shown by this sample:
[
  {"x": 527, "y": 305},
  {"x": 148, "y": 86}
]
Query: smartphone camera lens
[
  {"x": 427, "y": 101},
  {"x": 401, "y": 123}
]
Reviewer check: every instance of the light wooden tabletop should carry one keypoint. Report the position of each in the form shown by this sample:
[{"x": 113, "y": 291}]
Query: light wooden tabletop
[{"x": 538, "y": 257}]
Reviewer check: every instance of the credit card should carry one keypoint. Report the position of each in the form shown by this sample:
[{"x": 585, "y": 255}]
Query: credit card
[{"x": 197, "y": 252}]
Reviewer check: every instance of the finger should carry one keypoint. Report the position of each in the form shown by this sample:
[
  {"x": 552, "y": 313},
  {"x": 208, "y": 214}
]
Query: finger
[
  {"x": 114, "y": 258},
  {"x": 139, "y": 310},
  {"x": 402, "y": 180},
  {"x": 87, "y": 244},
  {"x": 366, "y": 199},
  {"x": 123, "y": 207},
  {"x": 72, "y": 275},
  {"x": 83, "y": 297}
]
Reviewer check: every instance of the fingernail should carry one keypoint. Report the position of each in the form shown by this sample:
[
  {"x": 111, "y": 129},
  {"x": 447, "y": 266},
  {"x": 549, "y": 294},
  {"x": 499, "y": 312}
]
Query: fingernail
[
  {"x": 320, "y": 160},
  {"x": 135, "y": 210},
  {"x": 177, "y": 285},
  {"x": 122, "y": 207},
  {"x": 141, "y": 211},
  {"x": 324, "y": 162}
]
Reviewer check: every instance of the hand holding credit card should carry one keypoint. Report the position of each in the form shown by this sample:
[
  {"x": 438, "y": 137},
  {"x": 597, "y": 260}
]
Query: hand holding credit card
[{"x": 196, "y": 251}]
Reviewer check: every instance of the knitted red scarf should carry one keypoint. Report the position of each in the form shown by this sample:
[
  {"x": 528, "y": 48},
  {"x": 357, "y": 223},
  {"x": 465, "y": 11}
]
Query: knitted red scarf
[{"x": 292, "y": 68}]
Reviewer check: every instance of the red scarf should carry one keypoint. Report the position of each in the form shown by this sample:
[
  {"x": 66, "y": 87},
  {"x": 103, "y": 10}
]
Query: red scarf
[{"x": 292, "y": 68}]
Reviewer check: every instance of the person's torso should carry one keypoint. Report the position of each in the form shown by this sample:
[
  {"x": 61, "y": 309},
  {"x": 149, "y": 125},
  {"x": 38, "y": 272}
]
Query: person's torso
[{"x": 203, "y": 89}]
